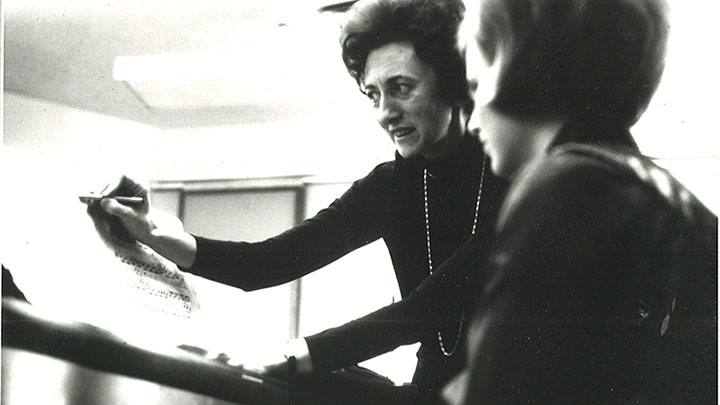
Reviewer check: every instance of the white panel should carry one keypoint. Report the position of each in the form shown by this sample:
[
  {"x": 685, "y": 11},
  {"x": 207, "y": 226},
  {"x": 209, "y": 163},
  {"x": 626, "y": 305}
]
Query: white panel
[
  {"x": 236, "y": 321},
  {"x": 166, "y": 200},
  {"x": 245, "y": 215},
  {"x": 355, "y": 285}
]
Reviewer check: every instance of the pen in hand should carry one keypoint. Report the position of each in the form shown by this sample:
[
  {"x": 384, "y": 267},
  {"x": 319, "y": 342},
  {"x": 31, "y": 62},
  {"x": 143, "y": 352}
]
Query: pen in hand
[{"x": 87, "y": 199}]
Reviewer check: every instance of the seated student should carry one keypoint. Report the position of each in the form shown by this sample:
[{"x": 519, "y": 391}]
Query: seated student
[
  {"x": 425, "y": 205},
  {"x": 601, "y": 286}
]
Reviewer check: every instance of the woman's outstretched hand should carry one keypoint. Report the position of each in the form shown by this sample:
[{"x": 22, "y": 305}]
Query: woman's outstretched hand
[
  {"x": 136, "y": 220},
  {"x": 133, "y": 219}
]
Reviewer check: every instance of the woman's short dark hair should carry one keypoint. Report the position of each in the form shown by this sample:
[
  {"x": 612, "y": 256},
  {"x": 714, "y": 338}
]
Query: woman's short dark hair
[
  {"x": 598, "y": 58},
  {"x": 429, "y": 25}
]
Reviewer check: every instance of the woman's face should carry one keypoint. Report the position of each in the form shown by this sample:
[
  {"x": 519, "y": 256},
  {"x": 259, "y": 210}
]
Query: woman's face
[{"x": 404, "y": 92}]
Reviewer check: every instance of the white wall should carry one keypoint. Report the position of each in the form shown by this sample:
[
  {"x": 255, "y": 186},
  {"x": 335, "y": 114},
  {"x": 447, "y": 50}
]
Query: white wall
[
  {"x": 679, "y": 128},
  {"x": 345, "y": 143},
  {"x": 76, "y": 140}
]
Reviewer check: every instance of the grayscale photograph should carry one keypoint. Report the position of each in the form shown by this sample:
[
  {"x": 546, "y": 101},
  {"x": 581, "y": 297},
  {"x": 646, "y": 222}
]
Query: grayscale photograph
[{"x": 433, "y": 202}]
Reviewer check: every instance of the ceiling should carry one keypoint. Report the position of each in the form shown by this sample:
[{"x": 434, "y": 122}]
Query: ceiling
[{"x": 270, "y": 57}]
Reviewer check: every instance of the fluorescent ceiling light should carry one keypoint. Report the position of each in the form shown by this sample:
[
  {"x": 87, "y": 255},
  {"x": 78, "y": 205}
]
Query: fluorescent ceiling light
[
  {"x": 194, "y": 66},
  {"x": 283, "y": 64}
]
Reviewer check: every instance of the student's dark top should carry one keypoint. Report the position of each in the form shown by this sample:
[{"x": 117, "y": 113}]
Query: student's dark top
[
  {"x": 602, "y": 287},
  {"x": 387, "y": 204}
]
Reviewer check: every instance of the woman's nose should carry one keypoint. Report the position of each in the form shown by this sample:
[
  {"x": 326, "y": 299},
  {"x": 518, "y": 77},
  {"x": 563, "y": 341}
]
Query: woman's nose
[{"x": 388, "y": 111}]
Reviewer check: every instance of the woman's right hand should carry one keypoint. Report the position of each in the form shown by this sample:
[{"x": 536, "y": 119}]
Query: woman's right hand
[
  {"x": 162, "y": 232},
  {"x": 133, "y": 220}
]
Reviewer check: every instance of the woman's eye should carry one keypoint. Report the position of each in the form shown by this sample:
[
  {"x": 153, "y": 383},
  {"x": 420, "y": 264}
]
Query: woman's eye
[
  {"x": 402, "y": 89},
  {"x": 374, "y": 96}
]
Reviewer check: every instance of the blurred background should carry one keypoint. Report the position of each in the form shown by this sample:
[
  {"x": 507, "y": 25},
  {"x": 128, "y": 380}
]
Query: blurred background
[{"x": 242, "y": 118}]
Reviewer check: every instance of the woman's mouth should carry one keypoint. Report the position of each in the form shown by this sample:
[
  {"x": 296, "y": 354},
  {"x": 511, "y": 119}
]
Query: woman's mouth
[{"x": 401, "y": 132}]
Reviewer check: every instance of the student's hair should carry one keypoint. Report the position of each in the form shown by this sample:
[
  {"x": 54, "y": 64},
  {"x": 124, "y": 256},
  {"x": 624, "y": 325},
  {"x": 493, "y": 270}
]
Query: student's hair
[
  {"x": 429, "y": 25},
  {"x": 597, "y": 58}
]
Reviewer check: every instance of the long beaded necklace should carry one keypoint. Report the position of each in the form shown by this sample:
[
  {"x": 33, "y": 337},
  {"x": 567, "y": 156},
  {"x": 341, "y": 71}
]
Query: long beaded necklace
[{"x": 429, "y": 248}]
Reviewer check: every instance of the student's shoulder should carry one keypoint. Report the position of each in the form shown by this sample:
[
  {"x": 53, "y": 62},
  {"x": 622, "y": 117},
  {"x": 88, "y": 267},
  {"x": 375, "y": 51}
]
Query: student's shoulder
[
  {"x": 573, "y": 179},
  {"x": 583, "y": 165},
  {"x": 617, "y": 167}
]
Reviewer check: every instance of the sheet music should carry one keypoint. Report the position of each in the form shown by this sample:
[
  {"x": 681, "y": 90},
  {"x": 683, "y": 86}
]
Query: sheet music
[
  {"x": 157, "y": 284},
  {"x": 67, "y": 266}
]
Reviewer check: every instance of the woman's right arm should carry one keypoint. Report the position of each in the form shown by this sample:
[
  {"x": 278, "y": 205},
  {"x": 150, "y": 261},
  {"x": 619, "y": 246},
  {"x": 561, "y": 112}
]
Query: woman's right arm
[
  {"x": 353, "y": 220},
  {"x": 165, "y": 235}
]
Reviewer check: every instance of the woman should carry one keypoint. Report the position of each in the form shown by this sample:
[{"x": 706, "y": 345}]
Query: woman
[
  {"x": 425, "y": 204},
  {"x": 601, "y": 284}
]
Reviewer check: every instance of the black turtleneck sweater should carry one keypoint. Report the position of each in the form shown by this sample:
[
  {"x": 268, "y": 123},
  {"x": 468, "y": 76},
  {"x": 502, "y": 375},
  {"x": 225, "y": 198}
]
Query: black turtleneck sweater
[{"x": 388, "y": 203}]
